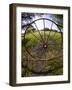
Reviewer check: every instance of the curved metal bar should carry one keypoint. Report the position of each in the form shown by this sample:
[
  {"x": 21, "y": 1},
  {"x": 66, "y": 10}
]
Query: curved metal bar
[
  {"x": 38, "y": 30},
  {"x": 44, "y": 19}
]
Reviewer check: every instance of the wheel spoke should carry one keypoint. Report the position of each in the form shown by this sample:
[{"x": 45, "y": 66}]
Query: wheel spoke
[
  {"x": 49, "y": 32},
  {"x": 54, "y": 34},
  {"x": 35, "y": 36},
  {"x": 44, "y": 52},
  {"x": 39, "y": 32},
  {"x": 50, "y": 50},
  {"x": 48, "y": 47},
  {"x": 29, "y": 53},
  {"x": 44, "y": 28}
]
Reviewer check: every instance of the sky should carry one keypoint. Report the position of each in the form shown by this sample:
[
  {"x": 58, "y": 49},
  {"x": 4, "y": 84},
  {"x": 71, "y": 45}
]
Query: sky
[{"x": 40, "y": 23}]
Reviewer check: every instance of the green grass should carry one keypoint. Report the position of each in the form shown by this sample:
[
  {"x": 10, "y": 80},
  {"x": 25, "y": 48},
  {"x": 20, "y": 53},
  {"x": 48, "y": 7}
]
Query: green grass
[
  {"x": 33, "y": 40},
  {"x": 30, "y": 41}
]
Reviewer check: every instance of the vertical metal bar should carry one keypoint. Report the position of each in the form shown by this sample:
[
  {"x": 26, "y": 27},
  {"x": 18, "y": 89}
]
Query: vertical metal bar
[
  {"x": 44, "y": 28},
  {"x": 49, "y": 32},
  {"x": 39, "y": 32}
]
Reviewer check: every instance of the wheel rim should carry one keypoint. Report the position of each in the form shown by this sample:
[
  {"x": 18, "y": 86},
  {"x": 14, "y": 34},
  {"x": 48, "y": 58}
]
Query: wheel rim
[{"x": 45, "y": 44}]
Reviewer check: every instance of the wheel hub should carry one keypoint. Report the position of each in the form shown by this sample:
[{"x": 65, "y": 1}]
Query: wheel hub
[{"x": 45, "y": 46}]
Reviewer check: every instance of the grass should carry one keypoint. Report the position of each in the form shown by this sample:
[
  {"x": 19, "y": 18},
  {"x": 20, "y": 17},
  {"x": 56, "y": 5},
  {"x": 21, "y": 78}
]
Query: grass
[{"x": 33, "y": 41}]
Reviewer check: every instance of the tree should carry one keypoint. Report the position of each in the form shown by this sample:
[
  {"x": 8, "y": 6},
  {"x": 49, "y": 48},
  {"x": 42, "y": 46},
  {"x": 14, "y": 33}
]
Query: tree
[
  {"x": 30, "y": 29},
  {"x": 58, "y": 19},
  {"x": 27, "y": 18}
]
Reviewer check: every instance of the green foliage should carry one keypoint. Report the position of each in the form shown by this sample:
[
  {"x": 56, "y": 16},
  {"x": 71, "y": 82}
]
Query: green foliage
[
  {"x": 25, "y": 41},
  {"x": 30, "y": 29}
]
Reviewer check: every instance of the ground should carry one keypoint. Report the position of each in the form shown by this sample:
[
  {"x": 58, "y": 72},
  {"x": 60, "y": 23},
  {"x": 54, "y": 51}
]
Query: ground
[{"x": 42, "y": 53}]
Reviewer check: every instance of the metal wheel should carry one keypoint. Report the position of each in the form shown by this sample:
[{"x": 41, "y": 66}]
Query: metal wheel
[{"x": 46, "y": 46}]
